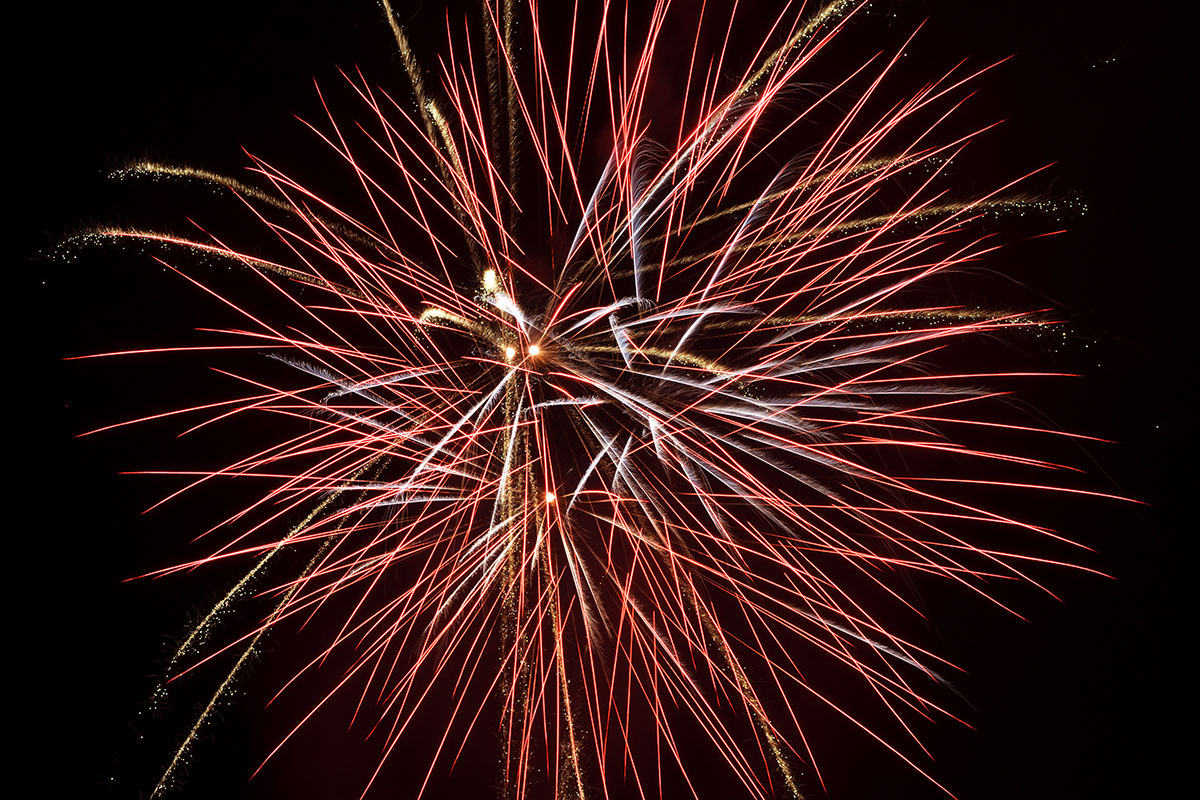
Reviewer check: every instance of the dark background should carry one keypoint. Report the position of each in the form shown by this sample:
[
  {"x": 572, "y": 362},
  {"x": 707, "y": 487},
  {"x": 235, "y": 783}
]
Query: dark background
[{"x": 1081, "y": 700}]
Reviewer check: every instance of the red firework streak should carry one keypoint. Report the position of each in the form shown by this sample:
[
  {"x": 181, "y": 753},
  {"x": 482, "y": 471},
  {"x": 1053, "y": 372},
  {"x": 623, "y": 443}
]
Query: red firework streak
[{"x": 627, "y": 447}]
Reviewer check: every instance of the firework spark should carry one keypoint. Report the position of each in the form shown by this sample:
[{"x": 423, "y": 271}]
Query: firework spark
[{"x": 605, "y": 449}]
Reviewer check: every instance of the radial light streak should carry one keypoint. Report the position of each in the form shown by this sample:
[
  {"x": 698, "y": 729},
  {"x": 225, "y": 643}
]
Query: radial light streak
[{"x": 593, "y": 446}]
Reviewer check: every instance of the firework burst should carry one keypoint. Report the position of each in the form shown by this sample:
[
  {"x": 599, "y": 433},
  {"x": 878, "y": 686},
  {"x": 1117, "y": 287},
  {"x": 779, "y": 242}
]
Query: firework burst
[{"x": 615, "y": 422}]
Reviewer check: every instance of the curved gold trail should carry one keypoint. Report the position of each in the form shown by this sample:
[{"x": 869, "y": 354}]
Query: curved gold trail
[{"x": 201, "y": 629}]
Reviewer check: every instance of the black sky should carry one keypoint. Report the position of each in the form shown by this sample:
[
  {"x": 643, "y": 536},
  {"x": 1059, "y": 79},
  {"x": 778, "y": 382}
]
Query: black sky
[{"x": 1080, "y": 701}]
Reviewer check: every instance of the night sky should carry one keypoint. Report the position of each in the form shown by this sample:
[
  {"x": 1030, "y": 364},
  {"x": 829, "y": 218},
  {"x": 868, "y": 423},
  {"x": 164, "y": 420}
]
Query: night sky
[{"x": 1080, "y": 699}]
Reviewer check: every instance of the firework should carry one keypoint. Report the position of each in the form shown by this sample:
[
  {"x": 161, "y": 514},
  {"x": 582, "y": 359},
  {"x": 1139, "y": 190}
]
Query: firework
[{"x": 602, "y": 451}]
